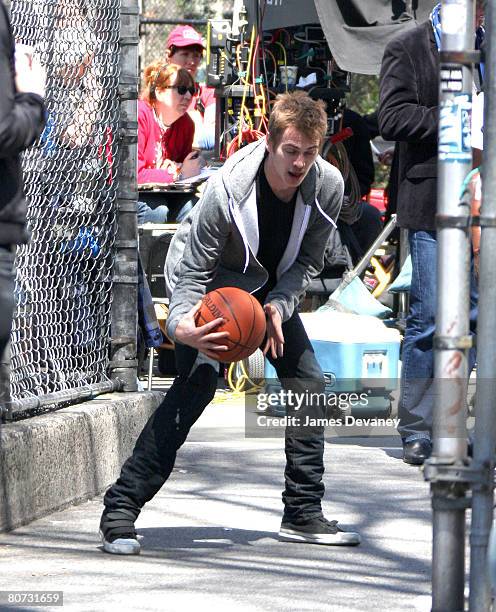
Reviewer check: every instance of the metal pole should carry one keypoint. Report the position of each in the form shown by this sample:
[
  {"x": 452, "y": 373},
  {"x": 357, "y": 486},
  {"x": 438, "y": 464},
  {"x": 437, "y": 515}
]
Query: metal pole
[
  {"x": 485, "y": 422},
  {"x": 363, "y": 264},
  {"x": 452, "y": 340},
  {"x": 123, "y": 364}
]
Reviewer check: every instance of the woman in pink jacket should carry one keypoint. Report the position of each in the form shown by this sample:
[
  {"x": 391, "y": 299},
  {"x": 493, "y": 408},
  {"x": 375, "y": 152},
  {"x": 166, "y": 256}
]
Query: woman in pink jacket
[
  {"x": 165, "y": 138},
  {"x": 185, "y": 47}
]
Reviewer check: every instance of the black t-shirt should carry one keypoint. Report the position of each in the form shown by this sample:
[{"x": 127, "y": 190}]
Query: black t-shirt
[{"x": 275, "y": 219}]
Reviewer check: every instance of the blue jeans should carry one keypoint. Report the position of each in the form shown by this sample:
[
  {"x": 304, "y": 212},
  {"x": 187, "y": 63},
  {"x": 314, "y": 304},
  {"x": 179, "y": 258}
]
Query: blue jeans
[
  {"x": 154, "y": 455},
  {"x": 6, "y": 295},
  {"x": 163, "y": 213},
  {"x": 416, "y": 403},
  {"x": 7, "y": 304}
]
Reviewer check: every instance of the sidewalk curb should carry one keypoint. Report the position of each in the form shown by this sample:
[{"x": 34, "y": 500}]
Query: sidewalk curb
[{"x": 65, "y": 457}]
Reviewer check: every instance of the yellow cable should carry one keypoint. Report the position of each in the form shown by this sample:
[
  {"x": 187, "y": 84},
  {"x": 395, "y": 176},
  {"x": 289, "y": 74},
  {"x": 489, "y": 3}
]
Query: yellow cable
[
  {"x": 230, "y": 372},
  {"x": 233, "y": 392},
  {"x": 272, "y": 58},
  {"x": 285, "y": 62},
  {"x": 242, "y": 380},
  {"x": 252, "y": 383},
  {"x": 248, "y": 118},
  {"x": 267, "y": 84},
  {"x": 245, "y": 89},
  {"x": 237, "y": 388}
]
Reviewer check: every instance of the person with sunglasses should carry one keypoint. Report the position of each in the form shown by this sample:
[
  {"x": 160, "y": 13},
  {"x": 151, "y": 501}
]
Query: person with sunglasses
[
  {"x": 165, "y": 139},
  {"x": 185, "y": 47}
]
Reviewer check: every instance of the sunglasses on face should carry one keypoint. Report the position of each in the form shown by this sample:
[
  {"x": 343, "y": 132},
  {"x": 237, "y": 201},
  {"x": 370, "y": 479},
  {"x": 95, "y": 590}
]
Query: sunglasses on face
[{"x": 182, "y": 89}]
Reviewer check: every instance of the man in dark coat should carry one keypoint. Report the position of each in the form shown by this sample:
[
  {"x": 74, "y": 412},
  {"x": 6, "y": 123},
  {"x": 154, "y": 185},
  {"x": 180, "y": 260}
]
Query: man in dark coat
[
  {"x": 408, "y": 113},
  {"x": 22, "y": 117}
]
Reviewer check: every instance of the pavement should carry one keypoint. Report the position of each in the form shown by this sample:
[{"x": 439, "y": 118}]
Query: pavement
[{"x": 209, "y": 538}]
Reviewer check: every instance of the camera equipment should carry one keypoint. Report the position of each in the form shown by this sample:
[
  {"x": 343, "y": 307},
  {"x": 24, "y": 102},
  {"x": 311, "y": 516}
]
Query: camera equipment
[{"x": 249, "y": 65}]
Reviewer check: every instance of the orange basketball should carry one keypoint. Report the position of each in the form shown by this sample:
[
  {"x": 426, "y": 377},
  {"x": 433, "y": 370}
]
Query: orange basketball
[{"x": 244, "y": 319}]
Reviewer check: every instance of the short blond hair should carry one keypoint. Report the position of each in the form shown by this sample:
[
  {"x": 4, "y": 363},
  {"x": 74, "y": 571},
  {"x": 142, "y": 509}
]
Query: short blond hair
[{"x": 297, "y": 109}]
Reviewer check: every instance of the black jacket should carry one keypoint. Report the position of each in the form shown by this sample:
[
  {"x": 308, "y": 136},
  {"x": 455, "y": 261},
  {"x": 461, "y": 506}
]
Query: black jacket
[
  {"x": 408, "y": 113},
  {"x": 22, "y": 118},
  {"x": 358, "y": 150}
]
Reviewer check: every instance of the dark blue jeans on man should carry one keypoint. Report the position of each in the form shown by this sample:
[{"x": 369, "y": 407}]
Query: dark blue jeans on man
[
  {"x": 6, "y": 295},
  {"x": 6, "y": 311},
  {"x": 154, "y": 455},
  {"x": 416, "y": 404}
]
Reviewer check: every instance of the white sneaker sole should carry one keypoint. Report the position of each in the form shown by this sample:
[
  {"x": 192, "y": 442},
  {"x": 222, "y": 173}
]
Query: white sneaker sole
[
  {"x": 121, "y": 546},
  {"x": 342, "y": 538}
]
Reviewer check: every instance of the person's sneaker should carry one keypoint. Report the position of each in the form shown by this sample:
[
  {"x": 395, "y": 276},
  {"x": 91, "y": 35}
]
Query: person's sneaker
[
  {"x": 318, "y": 530},
  {"x": 118, "y": 533}
]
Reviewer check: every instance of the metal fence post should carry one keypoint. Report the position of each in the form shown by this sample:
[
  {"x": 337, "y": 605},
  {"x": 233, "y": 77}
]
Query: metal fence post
[
  {"x": 485, "y": 422},
  {"x": 123, "y": 364},
  {"x": 446, "y": 468}
]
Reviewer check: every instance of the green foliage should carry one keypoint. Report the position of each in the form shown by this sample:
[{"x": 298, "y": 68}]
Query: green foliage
[
  {"x": 189, "y": 9},
  {"x": 364, "y": 99},
  {"x": 364, "y": 95}
]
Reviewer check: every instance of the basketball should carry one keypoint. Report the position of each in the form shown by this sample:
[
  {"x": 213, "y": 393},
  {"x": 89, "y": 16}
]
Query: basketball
[{"x": 244, "y": 319}]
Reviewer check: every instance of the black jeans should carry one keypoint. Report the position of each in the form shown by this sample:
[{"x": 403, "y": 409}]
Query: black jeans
[{"x": 151, "y": 463}]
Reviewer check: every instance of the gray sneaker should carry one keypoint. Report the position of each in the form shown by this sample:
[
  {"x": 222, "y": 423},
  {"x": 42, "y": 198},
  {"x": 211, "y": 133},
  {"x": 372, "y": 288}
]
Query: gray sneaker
[
  {"x": 118, "y": 534},
  {"x": 318, "y": 530}
]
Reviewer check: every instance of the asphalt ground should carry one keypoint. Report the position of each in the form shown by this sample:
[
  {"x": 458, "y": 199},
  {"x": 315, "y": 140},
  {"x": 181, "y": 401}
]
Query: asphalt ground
[{"x": 209, "y": 538}]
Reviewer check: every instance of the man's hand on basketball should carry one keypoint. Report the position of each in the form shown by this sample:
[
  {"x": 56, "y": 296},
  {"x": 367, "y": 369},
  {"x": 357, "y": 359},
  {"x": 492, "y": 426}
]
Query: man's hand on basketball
[
  {"x": 201, "y": 338},
  {"x": 275, "y": 337}
]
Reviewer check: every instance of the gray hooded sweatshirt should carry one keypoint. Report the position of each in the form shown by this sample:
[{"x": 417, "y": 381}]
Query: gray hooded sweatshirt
[{"x": 217, "y": 244}]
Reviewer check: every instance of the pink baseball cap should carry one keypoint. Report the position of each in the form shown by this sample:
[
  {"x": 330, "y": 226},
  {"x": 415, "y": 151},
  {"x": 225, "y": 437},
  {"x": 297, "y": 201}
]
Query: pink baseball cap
[{"x": 184, "y": 36}]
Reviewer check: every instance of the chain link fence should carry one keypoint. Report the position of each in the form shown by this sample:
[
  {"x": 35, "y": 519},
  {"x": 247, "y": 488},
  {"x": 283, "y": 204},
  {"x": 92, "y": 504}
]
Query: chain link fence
[
  {"x": 65, "y": 276},
  {"x": 63, "y": 286}
]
